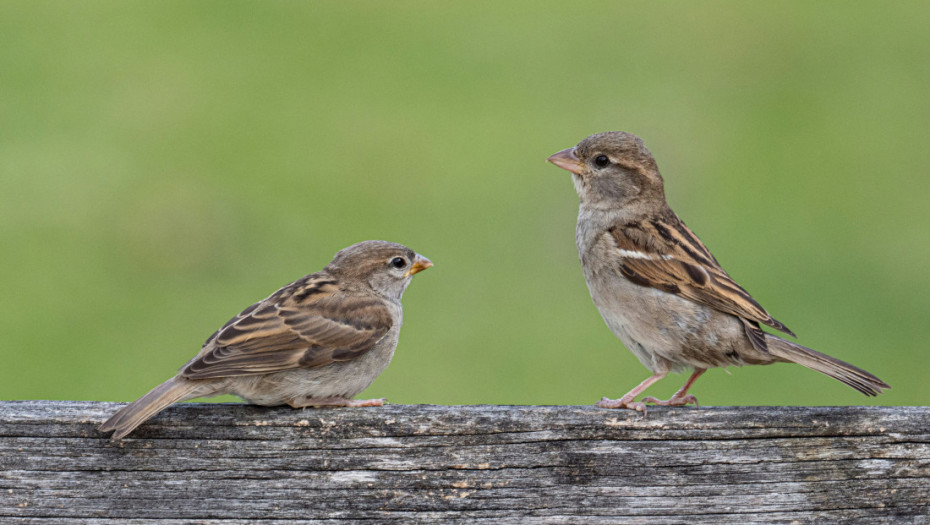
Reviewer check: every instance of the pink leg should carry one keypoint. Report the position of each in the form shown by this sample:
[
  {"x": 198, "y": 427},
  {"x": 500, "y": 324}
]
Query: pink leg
[
  {"x": 682, "y": 397},
  {"x": 627, "y": 400},
  {"x": 301, "y": 402}
]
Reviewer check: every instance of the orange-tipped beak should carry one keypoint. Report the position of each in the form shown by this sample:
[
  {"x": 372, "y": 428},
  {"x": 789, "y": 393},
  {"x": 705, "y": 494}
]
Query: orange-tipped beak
[
  {"x": 567, "y": 160},
  {"x": 419, "y": 264}
]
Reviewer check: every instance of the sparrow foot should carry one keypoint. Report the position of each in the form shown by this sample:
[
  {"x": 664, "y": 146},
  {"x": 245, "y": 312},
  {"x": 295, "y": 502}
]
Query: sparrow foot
[
  {"x": 335, "y": 402},
  {"x": 674, "y": 401},
  {"x": 623, "y": 402}
]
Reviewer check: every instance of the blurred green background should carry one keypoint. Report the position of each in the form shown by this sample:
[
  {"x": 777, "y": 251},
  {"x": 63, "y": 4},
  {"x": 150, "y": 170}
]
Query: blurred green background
[{"x": 165, "y": 164}]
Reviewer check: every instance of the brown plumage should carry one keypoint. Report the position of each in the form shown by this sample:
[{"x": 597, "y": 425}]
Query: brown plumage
[
  {"x": 318, "y": 341},
  {"x": 658, "y": 288}
]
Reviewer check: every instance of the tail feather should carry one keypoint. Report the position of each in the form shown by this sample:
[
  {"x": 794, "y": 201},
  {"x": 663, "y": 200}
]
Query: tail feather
[
  {"x": 852, "y": 376},
  {"x": 126, "y": 419}
]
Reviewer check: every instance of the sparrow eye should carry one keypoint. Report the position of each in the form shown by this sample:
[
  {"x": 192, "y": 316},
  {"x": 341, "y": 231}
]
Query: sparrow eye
[
  {"x": 398, "y": 262},
  {"x": 601, "y": 161}
]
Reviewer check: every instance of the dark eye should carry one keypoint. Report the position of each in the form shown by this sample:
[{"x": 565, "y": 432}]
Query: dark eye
[
  {"x": 601, "y": 161},
  {"x": 398, "y": 262}
]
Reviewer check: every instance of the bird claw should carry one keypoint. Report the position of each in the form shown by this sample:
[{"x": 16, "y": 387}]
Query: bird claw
[
  {"x": 368, "y": 402},
  {"x": 674, "y": 401},
  {"x": 335, "y": 402},
  {"x": 623, "y": 402},
  {"x": 640, "y": 406}
]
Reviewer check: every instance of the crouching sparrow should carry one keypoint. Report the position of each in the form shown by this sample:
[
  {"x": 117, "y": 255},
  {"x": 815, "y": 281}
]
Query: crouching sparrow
[
  {"x": 656, "y": 285},
  {"x": 318, "y": 341}
]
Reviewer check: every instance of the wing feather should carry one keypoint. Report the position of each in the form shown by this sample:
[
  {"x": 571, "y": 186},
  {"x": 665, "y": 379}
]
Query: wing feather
[
  {"x": 685, "y": 267},
  {"x": 309, "y": 323}
]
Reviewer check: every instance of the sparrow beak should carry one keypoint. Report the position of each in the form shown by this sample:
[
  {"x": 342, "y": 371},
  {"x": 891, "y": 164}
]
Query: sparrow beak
[
  {"x": 567, "y": 160},
  {"x": 419, "y": 264}
]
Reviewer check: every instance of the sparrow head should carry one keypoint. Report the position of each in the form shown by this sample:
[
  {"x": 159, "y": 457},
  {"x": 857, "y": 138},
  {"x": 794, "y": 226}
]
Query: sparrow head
[
  {"x": 614, "y": 170},
  {"x": 385, "y": 266}
]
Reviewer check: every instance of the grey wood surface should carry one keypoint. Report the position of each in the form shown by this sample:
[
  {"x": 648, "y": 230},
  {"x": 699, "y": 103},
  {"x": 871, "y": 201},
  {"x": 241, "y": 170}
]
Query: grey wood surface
[{"x": 227, "y": 463}]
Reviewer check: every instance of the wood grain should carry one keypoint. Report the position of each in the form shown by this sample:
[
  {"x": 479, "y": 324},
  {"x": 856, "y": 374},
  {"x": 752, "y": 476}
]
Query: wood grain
[{"x": 227, "y": 463}]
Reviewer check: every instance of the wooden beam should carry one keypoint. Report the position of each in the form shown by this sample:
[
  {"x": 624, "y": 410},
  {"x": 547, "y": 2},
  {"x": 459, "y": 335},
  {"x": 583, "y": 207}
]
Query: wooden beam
[{"x": 226, "y": 463}]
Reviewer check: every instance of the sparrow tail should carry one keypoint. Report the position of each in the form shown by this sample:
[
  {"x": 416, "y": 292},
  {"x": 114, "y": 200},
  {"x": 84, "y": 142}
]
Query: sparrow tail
[
  {"x": 126, "y": 419},
  {"x": 851, "y": 375}
]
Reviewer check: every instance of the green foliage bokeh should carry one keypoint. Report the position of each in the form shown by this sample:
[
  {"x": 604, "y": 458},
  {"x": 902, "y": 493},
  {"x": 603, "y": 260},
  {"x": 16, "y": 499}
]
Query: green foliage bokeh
[{"x": 165, "y": 164}]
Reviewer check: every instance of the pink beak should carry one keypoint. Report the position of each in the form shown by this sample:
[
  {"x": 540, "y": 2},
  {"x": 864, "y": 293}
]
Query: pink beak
[{"x": 567, "y": 160}]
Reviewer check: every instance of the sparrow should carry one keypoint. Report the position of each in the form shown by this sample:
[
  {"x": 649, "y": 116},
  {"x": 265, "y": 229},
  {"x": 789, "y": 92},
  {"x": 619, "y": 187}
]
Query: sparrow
[
  {"x": 659, "y": 289},
  {"x": 318, "y": 341}
]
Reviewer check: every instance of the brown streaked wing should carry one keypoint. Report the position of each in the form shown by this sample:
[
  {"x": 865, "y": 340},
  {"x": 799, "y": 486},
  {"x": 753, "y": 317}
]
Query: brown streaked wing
[
  {"x": 306, "y": 324},
  {"x": 340, "y": 327},
  {"x": 689, "y": 269}
]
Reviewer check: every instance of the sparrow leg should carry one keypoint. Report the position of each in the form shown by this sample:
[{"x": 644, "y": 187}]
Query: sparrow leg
[
  {"x": 682, "y": 397},
  {"x": 301, "y": 402},
  {"x": 627, "y": 400}
]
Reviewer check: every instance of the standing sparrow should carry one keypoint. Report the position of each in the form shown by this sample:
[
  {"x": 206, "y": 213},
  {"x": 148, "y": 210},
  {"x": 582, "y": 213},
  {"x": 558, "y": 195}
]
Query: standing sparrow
[
  {"x": 656, "y": 285},
  {"x": 318, "y": 341}
]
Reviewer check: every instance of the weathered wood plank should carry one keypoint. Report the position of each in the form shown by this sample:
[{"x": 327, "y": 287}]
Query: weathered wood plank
[{"x": 225, "y": 463}]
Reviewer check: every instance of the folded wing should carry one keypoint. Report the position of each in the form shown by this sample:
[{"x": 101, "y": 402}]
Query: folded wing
[{"x": 306, "y": 324}]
